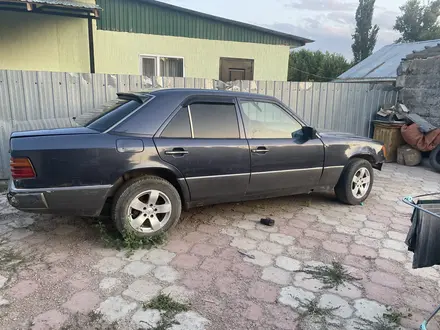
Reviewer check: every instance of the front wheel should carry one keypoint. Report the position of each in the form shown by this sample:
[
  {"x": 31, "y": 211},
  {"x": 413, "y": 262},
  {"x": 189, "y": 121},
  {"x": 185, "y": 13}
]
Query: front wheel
[
  {"x": 146, "y": 206},
  {"x": 354, "y": 185}
]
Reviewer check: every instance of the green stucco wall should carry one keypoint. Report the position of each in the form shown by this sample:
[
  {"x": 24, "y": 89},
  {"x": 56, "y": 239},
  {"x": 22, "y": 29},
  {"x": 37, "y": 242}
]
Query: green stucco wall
[
  {"x": 118, "y": 52},
  {"x": 43, "y": 42},
  {"x": 52, "y": 43}
]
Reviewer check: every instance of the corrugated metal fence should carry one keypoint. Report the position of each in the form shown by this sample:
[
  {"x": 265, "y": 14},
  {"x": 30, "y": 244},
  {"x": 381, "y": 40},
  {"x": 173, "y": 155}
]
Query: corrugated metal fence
[{"x": 35, "y": 100}]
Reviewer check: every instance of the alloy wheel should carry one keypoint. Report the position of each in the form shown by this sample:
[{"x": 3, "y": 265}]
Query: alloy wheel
[
  {"x": 149, "y": 211},
  {"x": 360, "y": 182}
]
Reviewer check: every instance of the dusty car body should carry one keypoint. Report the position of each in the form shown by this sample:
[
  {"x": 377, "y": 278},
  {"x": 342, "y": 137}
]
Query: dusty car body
[{"x": 205, "y": 146}]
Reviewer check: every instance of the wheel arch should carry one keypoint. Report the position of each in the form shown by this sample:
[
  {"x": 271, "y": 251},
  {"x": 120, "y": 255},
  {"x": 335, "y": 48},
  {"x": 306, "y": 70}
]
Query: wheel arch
[
  {"x": 368, "y": 157},
  {"x": 163, "y": 172}
]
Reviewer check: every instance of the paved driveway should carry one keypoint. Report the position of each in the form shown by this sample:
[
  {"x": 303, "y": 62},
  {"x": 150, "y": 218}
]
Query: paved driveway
[{"x": 55, "y": 270}]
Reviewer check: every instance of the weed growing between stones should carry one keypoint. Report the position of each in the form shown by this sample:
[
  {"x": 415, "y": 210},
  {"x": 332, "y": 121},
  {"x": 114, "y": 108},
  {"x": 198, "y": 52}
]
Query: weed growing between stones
[
  {"x": 390, "y": 320},
  {"x": 168, "y": 308},
  {"x": 128, "y": 240},
  {"x": 332, "y": 276},
  {"x": 312, "y": 308},
  {"x": 312, "y": 314},
  {"x": 90, "y": 321}
]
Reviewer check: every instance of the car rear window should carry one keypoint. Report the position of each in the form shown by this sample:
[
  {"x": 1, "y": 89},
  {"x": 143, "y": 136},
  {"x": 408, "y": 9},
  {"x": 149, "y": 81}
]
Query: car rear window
[{"x": 107, "y": 115}]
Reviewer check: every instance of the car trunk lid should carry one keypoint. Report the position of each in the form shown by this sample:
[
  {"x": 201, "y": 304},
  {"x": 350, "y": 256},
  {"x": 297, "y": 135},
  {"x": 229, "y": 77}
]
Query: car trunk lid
[{"x": 56, "y": 131}]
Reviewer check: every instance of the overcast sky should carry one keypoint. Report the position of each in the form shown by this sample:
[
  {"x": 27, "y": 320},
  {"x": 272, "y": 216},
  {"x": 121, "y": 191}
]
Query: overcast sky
[{"x": 329, "y": 22}]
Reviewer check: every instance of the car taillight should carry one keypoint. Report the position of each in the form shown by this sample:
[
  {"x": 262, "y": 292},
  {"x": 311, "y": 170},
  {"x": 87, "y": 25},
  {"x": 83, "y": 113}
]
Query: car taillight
[{"x": 21, "y": 168}]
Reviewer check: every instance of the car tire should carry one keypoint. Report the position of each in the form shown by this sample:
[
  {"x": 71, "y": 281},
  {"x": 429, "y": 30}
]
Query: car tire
[
  {"x": 434, "y": 158},
  {"x": 350, "y": 190},
  {"x": 146, "y": 206}
]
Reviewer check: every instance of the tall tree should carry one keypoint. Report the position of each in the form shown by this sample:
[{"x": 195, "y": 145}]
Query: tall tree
[
  {"x": 365, "y": 35},
  {"x": 306, "y": 65},
  {"x": 418, "y": 22}
]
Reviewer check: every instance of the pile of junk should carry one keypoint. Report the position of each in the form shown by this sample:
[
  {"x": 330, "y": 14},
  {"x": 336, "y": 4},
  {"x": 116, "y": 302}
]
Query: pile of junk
[{"x": 408, "y": 138}]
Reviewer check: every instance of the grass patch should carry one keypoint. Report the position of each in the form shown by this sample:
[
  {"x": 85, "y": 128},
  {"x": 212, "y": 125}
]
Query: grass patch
[
  {"x": 314, "y": 314},
  {"x": 168, "y": 308},
  {"x": 90, "y": 321},
  {"x": 128, "y": 240},
  {"x": 332, "y": 276},
  {"x": 391, "y": 320},
  {"x": 165, "y": 303},
  {"x": 312, "y": 308},
  {"x": 394, "y": 317}
]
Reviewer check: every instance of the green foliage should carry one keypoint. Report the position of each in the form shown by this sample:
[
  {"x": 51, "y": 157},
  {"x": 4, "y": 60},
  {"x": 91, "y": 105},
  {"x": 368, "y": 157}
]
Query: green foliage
[
  {"x": 168, "y": 309},
  {"x": 128, "y": 241},
  {"x": 310, "y": 311},
  {"x": 90, "y": 321},
  {"x": 332, "y": 276},
  {"x": 391, "y": 320},
  {"x": 306, "y": 65},
  {"x": 365, "y": 35},
  {"x": 312, "y": 308},
  {"x": 165, "y": 304},
  {"x": 418, "y": 22}
]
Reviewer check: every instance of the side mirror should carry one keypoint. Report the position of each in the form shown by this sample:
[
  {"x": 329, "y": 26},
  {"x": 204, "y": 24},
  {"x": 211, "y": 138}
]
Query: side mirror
[{"x": 309, "y": 133}]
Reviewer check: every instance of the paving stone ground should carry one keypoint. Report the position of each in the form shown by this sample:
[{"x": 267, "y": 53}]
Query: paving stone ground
[{"x": 55, "y": 271}]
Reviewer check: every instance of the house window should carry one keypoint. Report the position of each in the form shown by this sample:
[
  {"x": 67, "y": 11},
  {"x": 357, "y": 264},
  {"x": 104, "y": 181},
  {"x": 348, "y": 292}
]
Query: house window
[
  {"x": 164, "y": 66},
  {"x": 232, "y": 69}
]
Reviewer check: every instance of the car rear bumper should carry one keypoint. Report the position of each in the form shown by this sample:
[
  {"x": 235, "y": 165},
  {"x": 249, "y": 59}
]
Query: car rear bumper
[{"x": 78, "y": 200}]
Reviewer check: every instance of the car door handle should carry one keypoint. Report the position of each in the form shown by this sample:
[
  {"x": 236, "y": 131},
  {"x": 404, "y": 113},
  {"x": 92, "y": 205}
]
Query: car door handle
[
  {"x": 260, "y": 150},
  {"x": 177, "y": 152}
]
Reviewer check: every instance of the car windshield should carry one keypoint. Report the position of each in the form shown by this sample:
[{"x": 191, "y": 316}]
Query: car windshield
[{"x": 107, "y": 115}]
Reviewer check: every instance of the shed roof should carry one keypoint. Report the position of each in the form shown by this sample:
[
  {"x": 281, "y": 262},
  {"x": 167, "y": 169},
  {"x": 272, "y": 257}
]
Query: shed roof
[
  {"x": 229, "y": 21},
  {"x": 69, "y": 8},
  {"x": 60, "y": 3},
  {"x": 383, "y": 64},
  {"x": 159, "y": 18}
]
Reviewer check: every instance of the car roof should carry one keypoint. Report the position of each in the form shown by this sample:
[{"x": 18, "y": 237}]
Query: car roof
[
  {"x": 162, "y": 103},
  {"x": 184, "y": 92}
]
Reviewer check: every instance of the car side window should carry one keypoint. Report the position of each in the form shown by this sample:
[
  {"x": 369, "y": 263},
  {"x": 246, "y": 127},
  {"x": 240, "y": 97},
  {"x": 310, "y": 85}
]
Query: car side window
[
  {"x": 214, "y": 121},
  {"x": 179, "y": 126},
  {"x": 264, "y": 120}
]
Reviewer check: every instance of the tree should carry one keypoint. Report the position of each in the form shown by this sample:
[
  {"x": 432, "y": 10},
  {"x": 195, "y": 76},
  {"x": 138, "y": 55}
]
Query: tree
[
  {"x": 365, "y": 35},
  {"x": 418, "y": 22},
  {"x": 306, "y": 65}
]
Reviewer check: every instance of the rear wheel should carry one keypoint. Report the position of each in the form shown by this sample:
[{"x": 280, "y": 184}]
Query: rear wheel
[
  {"x": 354, "y": 185},
  {"x": 146, "y": 206}
]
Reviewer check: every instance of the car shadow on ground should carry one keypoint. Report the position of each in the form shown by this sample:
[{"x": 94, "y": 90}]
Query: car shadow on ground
[{"x": 56, "y": 231}]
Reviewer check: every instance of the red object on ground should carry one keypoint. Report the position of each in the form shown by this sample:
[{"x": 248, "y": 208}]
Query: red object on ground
[{"x": 416, "y": 139}]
